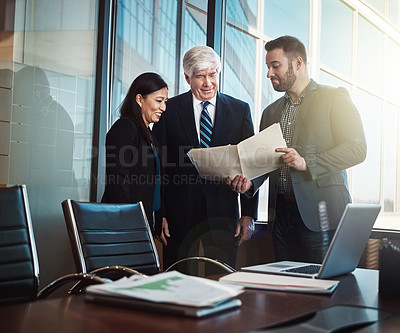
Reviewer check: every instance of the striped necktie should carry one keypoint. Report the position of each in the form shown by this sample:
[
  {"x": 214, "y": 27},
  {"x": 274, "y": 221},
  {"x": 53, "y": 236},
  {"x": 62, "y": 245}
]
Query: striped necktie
[{"x": 205, "y": 126}]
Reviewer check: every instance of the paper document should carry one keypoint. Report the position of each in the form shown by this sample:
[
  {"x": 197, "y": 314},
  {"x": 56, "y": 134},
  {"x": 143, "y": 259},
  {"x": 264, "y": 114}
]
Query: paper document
[
  {"x": 281, "y": 283},
  {"x": 170, "y": 287},
  {"x": 251, "y": 158}
]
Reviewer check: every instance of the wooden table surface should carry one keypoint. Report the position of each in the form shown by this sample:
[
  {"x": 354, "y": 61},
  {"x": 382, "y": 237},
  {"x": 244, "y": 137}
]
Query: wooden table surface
[{"x": 259, "y": 309}]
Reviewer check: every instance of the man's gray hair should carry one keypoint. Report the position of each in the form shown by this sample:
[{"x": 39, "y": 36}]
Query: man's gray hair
[{"x": 199, "y": 58}]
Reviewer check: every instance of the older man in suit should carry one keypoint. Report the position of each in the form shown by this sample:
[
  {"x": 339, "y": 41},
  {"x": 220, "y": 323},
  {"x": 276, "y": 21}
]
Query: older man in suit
[
  {"x": 195, "y": 209},
  {"x": 324, "y": 137}
]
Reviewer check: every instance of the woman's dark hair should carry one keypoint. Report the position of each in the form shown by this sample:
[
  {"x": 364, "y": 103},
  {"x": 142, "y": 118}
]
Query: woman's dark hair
[
  {"x": 144, "y": 85},
  {"x": 292, "y": 46}
]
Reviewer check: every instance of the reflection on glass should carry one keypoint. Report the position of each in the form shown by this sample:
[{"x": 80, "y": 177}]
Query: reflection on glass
[
  {"x": 201, "y": 4},
  {"x": 51, "y": 117},
  {"x": 195, "y": 30},
  {"x": 166, "y": 47},
  {"x": 194, "y": 34},
  {"x": 52, "y": 97},
  {"x": 142, "y": 28},
  {"x": 239, "y": 66},
  {"x": 390, "y": 157},
  {"x": 42, "y": 132},
  {"x": 287, "y": 17},
  {"x": 332, "y": 33},
  {"x": 242, "y": 13},
  {"x": 369, "y": 56},
  {"x": 59, "y": 35},
  {"x": 366, "y": 176},
  {"x": 145, "y": 41}
]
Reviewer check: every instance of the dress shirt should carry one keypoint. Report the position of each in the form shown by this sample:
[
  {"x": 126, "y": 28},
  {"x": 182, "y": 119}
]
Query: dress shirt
[{"x": 288, "y": 121}]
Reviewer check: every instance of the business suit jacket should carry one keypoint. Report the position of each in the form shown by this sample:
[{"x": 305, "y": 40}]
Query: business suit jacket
[
  {"x": 131, "y": 168},
  {"x": 329, "y": 135},
  {"x": 184, "y": 190}
]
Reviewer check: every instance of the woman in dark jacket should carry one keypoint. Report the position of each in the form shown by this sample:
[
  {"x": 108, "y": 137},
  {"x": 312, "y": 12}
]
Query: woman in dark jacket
[{"x": 132, "y": 162}]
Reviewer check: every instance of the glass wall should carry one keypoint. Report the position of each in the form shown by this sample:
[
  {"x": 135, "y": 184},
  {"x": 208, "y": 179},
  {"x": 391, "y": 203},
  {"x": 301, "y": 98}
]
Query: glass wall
[
  {"x": 48, "y": 77},
  {"x": 372, "y": 51}
]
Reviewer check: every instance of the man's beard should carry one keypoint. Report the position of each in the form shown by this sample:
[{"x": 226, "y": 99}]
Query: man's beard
[{"x": 287, "y": 81}]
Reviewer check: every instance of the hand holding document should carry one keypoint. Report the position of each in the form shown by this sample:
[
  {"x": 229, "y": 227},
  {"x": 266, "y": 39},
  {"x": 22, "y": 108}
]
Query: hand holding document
[{"x": 251, "y": 158}]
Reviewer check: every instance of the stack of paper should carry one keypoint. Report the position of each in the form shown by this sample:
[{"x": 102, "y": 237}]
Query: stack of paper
[
  {"x": 280, "y": 282},
  {"x": 171, "y": 292}
]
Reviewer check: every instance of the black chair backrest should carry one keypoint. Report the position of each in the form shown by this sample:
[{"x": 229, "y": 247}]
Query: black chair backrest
[
  {"x": 19, "y": 268},
  {"x": 110, "y": 234}
]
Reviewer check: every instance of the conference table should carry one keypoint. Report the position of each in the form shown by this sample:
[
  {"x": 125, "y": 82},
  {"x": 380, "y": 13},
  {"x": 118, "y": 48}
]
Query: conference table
[{"x": 260, "y": 308}]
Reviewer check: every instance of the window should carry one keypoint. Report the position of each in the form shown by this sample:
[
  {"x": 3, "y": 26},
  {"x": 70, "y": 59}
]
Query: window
[
  {"x": 194, "y": 29},
  {"x": 369, "y": 56},
  {"x": 366, "y": 176},
  {"x": 337, "y": 39},
  {"x": 242, "y": 13},
  {"x": 374, "y": 82},
  {"x": 393, "y": 10},
  {"x": 377, "y": 4},
  {"x": 200, "y": 4},
  {"x": 194, "y": 33},
  {"x": 287, "y": 17},
  {"x": 145, "y": 41},
  {"x": 392, "y": 72},
  {"x": 390, "y": 139},
  {"x": 240, "y": 66},
  {"x": 334, "y": 81}
]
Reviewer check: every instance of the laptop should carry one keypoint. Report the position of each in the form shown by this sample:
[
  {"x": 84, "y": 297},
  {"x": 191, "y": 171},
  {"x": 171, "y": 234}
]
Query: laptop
[{"x": 344, "y": 252}]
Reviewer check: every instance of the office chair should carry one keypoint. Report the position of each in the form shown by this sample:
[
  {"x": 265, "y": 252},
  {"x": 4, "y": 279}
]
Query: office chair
[
  {"x": 110, "y": 238},
  {"x": 115, "y": 236},
  {"x": 19, "y": 266}
]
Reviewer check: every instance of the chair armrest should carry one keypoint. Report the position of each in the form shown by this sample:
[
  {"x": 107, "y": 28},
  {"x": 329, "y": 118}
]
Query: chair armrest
[
  {"x": 222, "y": 265},
  {"x": 106, "y": 270},
  {"x": 85, "y": 279},
  {"x": 125, "y": 271}
]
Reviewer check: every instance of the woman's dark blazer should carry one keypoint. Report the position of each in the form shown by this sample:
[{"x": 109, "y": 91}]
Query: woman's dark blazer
[{"x": 131, "y": 168}]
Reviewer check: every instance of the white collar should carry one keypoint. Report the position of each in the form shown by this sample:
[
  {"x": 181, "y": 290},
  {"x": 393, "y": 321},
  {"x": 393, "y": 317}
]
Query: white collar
[{"x": 212, "y": 101}]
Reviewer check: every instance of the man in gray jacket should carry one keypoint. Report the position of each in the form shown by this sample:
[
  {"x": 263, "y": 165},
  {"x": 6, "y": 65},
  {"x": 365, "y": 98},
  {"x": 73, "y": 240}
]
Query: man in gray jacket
[{"x": 324, "y": 137}]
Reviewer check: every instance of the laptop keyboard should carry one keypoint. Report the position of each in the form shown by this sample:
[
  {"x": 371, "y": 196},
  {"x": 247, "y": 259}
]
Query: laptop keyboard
[{"x": 309, "y": 269}]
